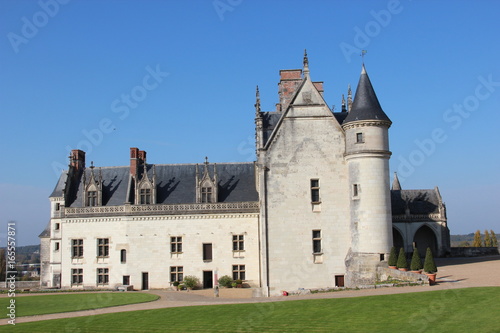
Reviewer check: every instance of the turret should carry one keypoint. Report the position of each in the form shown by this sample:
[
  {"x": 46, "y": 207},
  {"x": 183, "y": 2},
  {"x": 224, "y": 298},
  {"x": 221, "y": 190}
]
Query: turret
[{"x": 367, "y": 155}]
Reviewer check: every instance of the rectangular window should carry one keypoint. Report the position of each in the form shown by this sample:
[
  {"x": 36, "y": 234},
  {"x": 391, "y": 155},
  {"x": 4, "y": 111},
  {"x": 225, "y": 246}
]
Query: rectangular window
[
  {"x": 359, "y": 138},
  {"x": 145, "y": 196},
  {"x": 176, "y": 244},
  {"x": 206, "y": 194},
  {"x": 77, "y": 248},
  {"x": 207, "y": 252},
  {"x": 238, "y": 272},
  {"x": 238, "y": 243},
  {"x": 91, "y": 198},
  {"x": 123, "y": 256},
  {"x": 58, "y": 206},
  {"x": 176, "y": 273},
  {"x": 316, "y": 238},
  {"x": 102, "y": 276},
  {"x": 126, "y": 280},
  {"x": 103, "y": 247},
  {"x": 355, "y": 190},
  {"x": 57, "y": 226},
  {"x": 315, "y": 190},
  {"x": 56, "y": 246},
  {"x": 77, "y": 276}
]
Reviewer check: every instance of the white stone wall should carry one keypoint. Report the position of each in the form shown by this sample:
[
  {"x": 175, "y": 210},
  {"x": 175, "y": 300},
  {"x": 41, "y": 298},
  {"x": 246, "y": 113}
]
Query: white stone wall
[
  {"x": 309, "y": 145},
  {"x": 147, "y": 241}
]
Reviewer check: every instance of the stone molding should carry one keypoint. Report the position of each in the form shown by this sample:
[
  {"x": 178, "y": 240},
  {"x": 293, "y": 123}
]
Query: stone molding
[{"x": 364, "y": 123}]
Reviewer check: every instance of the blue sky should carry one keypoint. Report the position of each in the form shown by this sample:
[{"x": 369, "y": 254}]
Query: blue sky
[{"x": 67, "y": 67}]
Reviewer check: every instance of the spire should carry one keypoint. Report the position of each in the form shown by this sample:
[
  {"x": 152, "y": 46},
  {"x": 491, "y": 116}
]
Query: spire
[
  {"x": 257, "y": 102},
  {"x": 365, "y": 105},
  {"x": 343, "y": 104},
  {"x": 349, "y": 98},
  {"x": 306, "y": 65},
  {"x": 396, "y": 186}
]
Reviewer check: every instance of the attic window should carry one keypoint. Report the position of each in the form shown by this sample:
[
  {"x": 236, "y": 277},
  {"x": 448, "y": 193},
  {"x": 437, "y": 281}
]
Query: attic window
[
  {"x": 206, "y": 194},
  {"x": 145, "y": 196},
  {"x": 91, "y": 198}
]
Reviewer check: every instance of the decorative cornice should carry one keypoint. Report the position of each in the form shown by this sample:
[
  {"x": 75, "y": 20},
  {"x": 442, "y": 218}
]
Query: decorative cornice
[
  {"x": 364, "y": 123},
  {"x": 179, "y": 209},
  {"x": 418, "y": 218}
]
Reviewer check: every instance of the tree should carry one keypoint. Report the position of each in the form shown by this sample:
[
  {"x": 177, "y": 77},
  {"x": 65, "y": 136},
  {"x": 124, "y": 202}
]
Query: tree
[
  {"x": 494, "y": 241},
  {"x": 402, "y": 263},
  {"x": 393, "y": 258},
  {"x": 416, "y": 262},
  {"x": 429, "y": 264},
  {"x": 487, "y": 239},
  {"x": 477, "y": 239}
]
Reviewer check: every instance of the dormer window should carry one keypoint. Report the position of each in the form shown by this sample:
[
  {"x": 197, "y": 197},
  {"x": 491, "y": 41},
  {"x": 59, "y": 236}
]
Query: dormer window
[
  {"x": 92, "y": 191},
  {"x": 206, "y": 186},
  {"x": 145, "y": 193}
]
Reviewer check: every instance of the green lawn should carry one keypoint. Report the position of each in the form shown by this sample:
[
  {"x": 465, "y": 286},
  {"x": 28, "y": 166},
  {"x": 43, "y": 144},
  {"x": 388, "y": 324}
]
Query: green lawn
[
  {"x": 454, "y": 310},
  {"x": 54, "y": 303}
]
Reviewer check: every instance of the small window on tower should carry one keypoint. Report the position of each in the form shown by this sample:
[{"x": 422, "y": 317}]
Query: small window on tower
[
  {"x": 355, "y": 190},
  {"x": 359, "y": 138},
  {"x": 315, "y": 191}
]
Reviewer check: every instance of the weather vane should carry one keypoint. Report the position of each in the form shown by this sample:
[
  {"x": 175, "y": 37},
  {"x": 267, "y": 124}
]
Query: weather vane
[{"x": 363, "y": 52}]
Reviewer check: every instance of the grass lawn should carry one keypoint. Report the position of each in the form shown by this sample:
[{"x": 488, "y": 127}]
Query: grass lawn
[
  {"x": 454, "y": 310},
  {"x": 54, "y": 303}
]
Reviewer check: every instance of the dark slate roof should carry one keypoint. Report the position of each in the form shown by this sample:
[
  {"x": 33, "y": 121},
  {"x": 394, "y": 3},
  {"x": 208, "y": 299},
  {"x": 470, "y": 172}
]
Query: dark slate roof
[
  {"x": 420, "y": 202},
  {"x": 175, "y": 183},
  {"x": 340, "y": 116},
  {"x": 270, "y": 119},
  {"x": 46, "y": 232},
  {"x": 57, "y": 192},
  {"x": 365, "y": 105}
]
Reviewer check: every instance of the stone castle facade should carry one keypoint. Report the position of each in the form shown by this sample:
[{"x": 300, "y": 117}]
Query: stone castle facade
[{"x": 314, "y": 210}]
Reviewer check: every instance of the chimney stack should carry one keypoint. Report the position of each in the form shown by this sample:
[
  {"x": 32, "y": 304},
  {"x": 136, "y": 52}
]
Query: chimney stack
[
  {"x": 137, "y": 160},
  {"x": 77, "y": 159}
]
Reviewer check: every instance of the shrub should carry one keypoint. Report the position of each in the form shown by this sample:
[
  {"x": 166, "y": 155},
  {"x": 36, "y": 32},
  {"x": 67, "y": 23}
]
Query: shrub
[
  {"x": 238, "y": 281},
  {"x": 393, "y": 259},
  {"x": 176, "y": 283},
  {"x": 402, "y": 263},
  {"x": 225, "y": 281},
  {"x": 191, "y": 281},
  {"x": 416, "y": 262},
  {"x": 429, "y": 265}
]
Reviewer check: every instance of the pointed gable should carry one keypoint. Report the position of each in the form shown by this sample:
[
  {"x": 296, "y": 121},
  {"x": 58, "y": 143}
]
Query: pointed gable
[{"x": 365, "y": 105}]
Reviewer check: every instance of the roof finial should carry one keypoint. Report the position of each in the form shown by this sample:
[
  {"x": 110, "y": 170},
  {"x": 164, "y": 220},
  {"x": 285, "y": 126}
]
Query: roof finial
[
  {"x": 343, "y": 104},
  {"x": 257, "y": 102},
  {"x": 306, "y": 64},
  {"x": 349, "y": 98},
  {"x": 396, "y": 185}
]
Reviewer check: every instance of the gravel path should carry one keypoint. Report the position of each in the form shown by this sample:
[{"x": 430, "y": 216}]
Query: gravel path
[{"x": 453, "y": 273}]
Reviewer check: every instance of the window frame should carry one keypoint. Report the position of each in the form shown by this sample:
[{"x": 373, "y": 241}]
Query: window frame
[
  {"x": 123, "y": 256},
  {"x": 77, "y": 248},
  {"x": 360, "y": 137},
  {"x": 175, "y": 244},
  {"x": 91, "y": 198},
  {"x": 76, "y": 275},
  {"x": 239, "y": 272},
  {"x": 206, "y": 194},
  {"x": 102, "y": 247},
  {"x": 315, "y": 188},
  {"x": 316, "y": 241},
  {"x": 102, "y": 276},
  {"x": 355, "y": 190},
  {"x": 207, "y": 255},
  {"x": 145, "y": 196},
  {"x": 239, "y": 243},
  {"x": 176, "y": 274}
]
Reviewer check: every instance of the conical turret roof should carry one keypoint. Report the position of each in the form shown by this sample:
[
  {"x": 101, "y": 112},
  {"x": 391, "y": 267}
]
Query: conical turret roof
[{"x": 365, "y": 105}]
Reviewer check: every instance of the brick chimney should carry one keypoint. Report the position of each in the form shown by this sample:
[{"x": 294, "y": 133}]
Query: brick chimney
[
  {"x": 77, "y": 159},
  {"x": 289, "y": 81},
  {"x": 137, "y": 160}
]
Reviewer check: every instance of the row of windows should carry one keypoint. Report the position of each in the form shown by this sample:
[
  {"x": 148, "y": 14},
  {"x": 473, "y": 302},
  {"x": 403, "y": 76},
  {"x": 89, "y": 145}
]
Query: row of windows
[
  {"x": 315, "y": 198},
  {"x": 175, "y": 247},
  {"x": 176, "y": 274}
]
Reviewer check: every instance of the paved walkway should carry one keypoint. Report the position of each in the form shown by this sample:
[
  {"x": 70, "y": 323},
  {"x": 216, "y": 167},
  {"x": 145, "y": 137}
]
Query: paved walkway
[{"x": 453, "y": 273}]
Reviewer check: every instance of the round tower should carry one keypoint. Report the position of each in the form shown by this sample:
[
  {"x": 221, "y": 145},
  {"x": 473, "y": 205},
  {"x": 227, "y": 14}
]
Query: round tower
[{"x": 367, "y": 155}]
